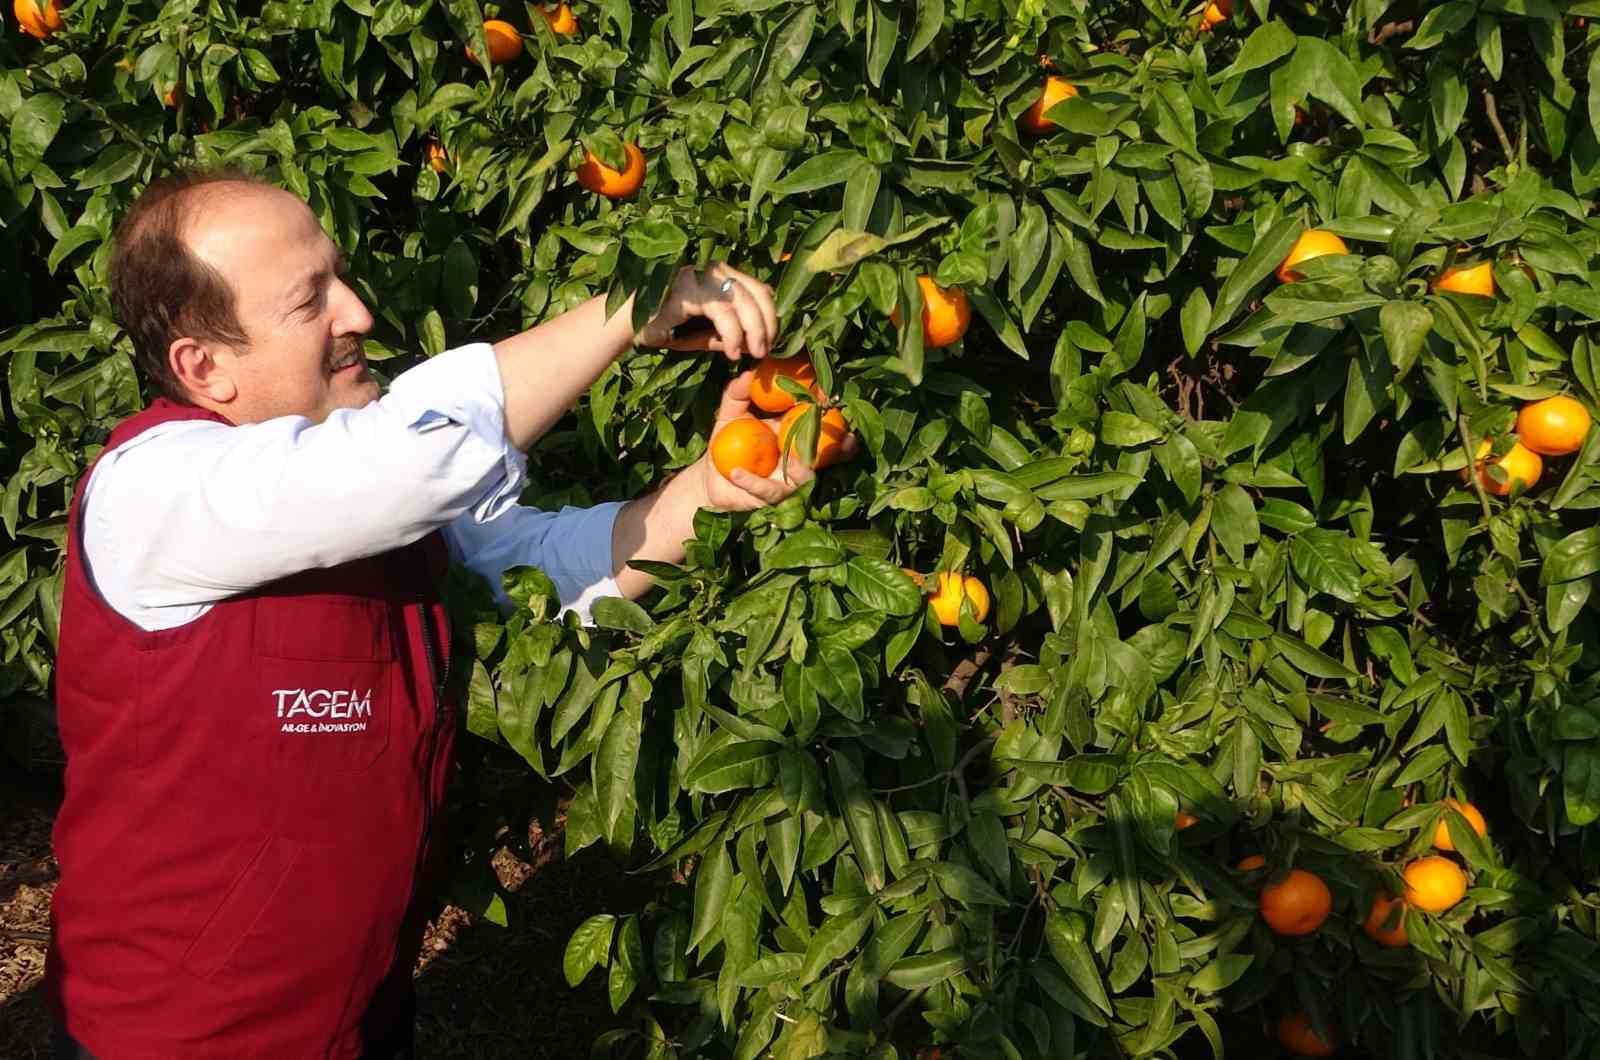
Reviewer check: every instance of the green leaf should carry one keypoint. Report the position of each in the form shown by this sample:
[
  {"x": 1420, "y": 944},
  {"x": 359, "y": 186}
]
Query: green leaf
[
  {"x": 713, "y": 878},
  {"x": 33, "y": 128},
  {"x": 1266, "y": 254},
  {"x": 589, "y": 947},
  {"x": 1065, "y": 939},
  {"x": 1309, "y": 660},
  {"x": 882, "y": 585},
  {"x": 837, "y": 937},
  {"x": 809, "y": 546},
  {"x": 926, "y": 969},
  {"x": 1326, "y": 561},
  {"x": 616, "y": 612},
  {"x": 1119, "y": 428},
  {"x": 1575, "y": 556},
  {"x": 751, "y": 764},
  {"x": 1221, "y": 973},
  {"x": 653, "y": 239}
]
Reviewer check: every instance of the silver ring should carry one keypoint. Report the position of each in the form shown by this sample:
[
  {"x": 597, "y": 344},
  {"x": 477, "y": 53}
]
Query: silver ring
[{"x": 727, "y": 285}]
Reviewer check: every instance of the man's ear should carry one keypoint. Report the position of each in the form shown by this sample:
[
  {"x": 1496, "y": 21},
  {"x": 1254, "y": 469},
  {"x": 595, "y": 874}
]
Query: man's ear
[{"x": 202, "y": 371}]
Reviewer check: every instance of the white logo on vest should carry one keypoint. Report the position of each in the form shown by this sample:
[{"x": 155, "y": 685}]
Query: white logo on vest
[{"x": 335, "y": 705}]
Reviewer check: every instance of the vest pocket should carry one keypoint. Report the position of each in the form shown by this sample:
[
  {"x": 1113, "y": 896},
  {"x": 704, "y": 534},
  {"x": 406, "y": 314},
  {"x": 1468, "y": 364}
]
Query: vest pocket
[
  {"x": 325, "y": 666},
  {"x": 245, "y": 902}
]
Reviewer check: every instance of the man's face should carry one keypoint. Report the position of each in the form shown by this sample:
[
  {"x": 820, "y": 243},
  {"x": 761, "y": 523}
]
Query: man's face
[{"x": 305, "y": 326}]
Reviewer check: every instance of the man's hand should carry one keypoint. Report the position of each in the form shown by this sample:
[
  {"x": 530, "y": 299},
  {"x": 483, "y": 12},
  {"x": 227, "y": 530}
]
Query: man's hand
[
  {"x": 745, "y": 491},
  {"x": 656, "y": 525},
  {"x": 742, "y": 313}
]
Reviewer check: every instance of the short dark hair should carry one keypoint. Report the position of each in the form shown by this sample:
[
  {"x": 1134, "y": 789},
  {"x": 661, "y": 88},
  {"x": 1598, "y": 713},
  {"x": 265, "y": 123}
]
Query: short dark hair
[{"x": 160, "y": 290}]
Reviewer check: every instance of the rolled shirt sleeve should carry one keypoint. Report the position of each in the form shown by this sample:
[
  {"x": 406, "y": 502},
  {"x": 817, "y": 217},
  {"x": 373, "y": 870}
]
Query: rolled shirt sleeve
[{"x": 572, "y": 547}]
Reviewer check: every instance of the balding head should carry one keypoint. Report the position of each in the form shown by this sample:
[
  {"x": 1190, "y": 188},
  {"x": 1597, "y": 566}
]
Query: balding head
[
  {"x": 234, "y": 297},
  {"x": 159, "y": 289}
]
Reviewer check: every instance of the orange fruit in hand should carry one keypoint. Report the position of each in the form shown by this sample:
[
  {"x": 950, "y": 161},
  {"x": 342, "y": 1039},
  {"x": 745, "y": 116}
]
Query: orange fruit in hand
[
  {"x": 1468, "y": 279},
  {"x": 613, "y": 184},
  {"x": 1555, "y": 426},
  {"x": 505, "y": 43},
  {"x": 947, "y": 598},
  {"x": 1382, "y": 905},
  {"x": 1520, "y": 464},
  {"x": 1251, "y": 863},
  {"x": 1296, "y": 904},
  {"x": 1216, "y": 13},
  {"x": 1434, "y": 883},
  {"x": 1185, "y": 819},
  {"x": 562, "y": 21},
  {"x": 946, "y": 313},
  {"x": 831, "y": 434},
  {"x": 1296, "y": 1034},
  {"x": 38, "y": 18},
  {"x": 767, "y": 395},
  {"x": 1441, "y": 834},
  {"x": 437, "y": 158},
  {"x": 1055, "y": 90},
  {"x": 748, "y": 443},
  {"x": 1313, "y": 243}
]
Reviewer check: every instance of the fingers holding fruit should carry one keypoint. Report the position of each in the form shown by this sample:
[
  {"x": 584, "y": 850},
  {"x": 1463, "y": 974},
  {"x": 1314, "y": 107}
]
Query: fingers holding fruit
[{"x": 755, "y": 461}]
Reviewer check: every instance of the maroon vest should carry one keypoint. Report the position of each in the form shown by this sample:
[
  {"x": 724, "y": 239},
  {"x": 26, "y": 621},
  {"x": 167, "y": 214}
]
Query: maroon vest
[{"x": 251, "y": 800}]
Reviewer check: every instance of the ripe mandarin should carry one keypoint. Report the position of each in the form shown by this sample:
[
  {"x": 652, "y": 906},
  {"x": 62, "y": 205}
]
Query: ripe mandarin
[
  {"x": 1383, "y": 905},
  {"x": 1184, "y": 819},
  {"x": 1297, "y": 904},
  {"x": 38, "y": 18},
  {"x": 748, "y": 443},
  {"x": 1216, "y": 13},
  {"x": 1521, "y": 465},
  {"x": 612, "y": 183},
  {"x": 947, "y": 598},
  {"x": 1251, "y": 863},
  {"x": 1441, "y": 833},
  {"x": 946, "y": 313},
  {"x": 1555, "y": 426},
  {"x": 1055, "y": 90},
  {"x": 831, "y": 434},
  {"x": 437, "y": 158},
  {"x": 1468, "y": 279},
  {"x": 767, "y": 395},
  {"x": 1434, "y": 883},
  {"x": 505, "y": 43},
  {"x": 561, "y": 19},
  {"x": 1296, "y": 1034},
  {"x": 1313, "y": 243}
]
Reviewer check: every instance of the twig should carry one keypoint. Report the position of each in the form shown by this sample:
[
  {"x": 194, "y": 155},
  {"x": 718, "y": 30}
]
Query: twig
[
  {"x": 1472, "y": 464},
  {"x": 1499, "y": 130},
  {"x": 966, "y": 670},
  {"x": 899, "y": 1010},
  {"x": 26, "y": 936},
  {"x": 1390, "y": 29}
]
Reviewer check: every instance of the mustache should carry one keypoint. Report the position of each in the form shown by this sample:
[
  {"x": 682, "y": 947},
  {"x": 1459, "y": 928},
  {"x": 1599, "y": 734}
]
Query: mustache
[{"x": 344, "y": 347}]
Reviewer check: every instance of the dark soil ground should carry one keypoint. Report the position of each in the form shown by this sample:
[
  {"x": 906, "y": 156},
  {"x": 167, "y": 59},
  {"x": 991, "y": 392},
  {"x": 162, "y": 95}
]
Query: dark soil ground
[{"x": 484, "y": 992}]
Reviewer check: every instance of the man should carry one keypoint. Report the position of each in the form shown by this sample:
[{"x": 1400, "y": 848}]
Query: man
[{"x": 250, "y": 676}]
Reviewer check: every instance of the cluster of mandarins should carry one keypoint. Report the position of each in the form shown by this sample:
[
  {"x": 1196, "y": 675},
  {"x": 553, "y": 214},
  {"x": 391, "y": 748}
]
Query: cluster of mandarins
[
  {"x": 1299, "y": 902},
  {"x": 1554, "y": 426},
  {"x": 505, "y": 46},
  {"x": 758, "y": 444}
]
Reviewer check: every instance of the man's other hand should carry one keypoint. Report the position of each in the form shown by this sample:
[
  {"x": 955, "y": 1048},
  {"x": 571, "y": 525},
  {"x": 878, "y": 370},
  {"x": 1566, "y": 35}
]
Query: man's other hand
[{"x": 740, "y": 309}]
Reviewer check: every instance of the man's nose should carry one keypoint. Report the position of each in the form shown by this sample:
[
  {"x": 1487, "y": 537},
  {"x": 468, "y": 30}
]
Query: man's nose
[{"x": 353, "y": 317}]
